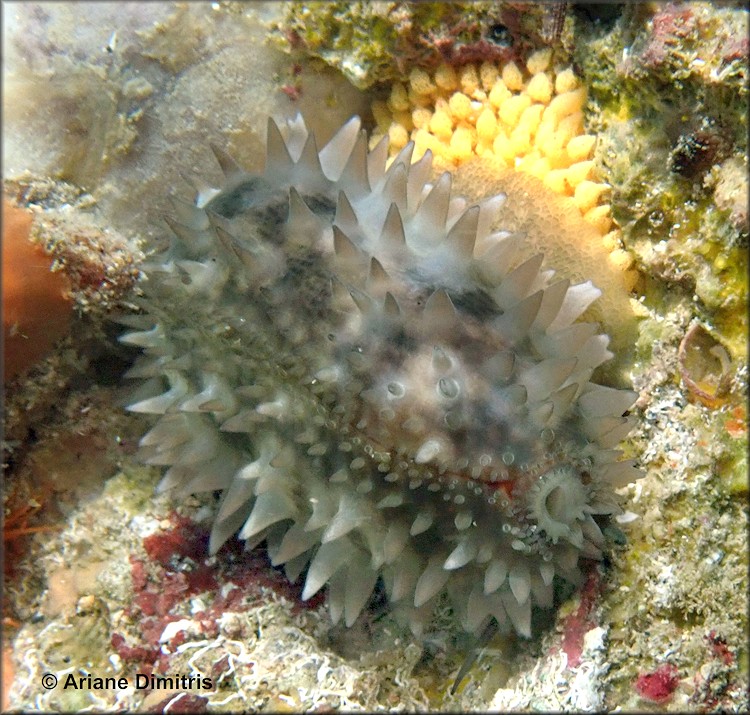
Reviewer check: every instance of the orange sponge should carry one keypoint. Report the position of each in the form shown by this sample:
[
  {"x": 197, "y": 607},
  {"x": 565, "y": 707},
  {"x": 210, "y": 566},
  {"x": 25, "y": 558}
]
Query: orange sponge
[{"x": 36, "y": 307}]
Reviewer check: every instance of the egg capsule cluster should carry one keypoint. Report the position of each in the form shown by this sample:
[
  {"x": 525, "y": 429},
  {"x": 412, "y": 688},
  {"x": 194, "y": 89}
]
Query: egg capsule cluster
[{"x": 529, "y": 118}]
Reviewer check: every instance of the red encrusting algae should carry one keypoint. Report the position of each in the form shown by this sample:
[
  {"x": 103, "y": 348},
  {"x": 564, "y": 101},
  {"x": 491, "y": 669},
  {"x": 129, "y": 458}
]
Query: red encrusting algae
[
  {"x": 177, "y": 568},
  {"x": 659, "y": 686},
  {"x": 579, "y": 623}
]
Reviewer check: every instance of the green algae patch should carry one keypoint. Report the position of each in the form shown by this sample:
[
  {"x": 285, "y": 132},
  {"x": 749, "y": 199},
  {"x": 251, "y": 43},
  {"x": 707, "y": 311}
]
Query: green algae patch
[
  {"x": 133, "y": 488},
  {"x": 668, "y": 100},
  {"x": 692, "y": 564},
  {"x": 376, "y": 42}
]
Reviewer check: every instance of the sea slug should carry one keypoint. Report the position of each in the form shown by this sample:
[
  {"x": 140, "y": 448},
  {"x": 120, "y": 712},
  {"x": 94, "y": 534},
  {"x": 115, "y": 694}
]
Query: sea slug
[{"x": 377, "y": 385}]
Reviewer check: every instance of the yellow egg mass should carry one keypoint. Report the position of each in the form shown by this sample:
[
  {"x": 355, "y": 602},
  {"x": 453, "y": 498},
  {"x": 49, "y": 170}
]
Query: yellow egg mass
[{"x": 529, "y": 118}]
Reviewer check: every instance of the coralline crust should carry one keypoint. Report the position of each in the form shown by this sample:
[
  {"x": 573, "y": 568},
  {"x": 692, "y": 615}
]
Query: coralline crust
[{"x": 379, "y": 386}]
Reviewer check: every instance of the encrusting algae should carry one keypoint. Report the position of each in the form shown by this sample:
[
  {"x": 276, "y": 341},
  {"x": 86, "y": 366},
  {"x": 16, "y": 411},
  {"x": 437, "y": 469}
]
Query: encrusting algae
[{"x": 529, "y": 119}]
